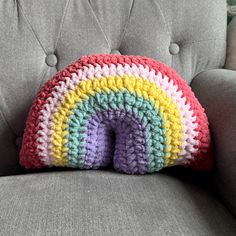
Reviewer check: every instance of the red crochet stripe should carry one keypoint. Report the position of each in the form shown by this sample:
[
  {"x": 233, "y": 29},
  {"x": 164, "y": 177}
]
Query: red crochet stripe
[
  {"x": 29, "y": 153},
  {"x": 204, "y": 159}
]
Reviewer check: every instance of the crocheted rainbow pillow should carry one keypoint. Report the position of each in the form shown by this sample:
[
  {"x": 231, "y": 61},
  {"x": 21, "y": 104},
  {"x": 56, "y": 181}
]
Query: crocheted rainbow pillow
[{"x": 130, "y": 111}]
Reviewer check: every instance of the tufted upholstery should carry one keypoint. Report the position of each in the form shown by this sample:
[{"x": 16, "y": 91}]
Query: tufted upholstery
[{"x": 38, "y": 38}]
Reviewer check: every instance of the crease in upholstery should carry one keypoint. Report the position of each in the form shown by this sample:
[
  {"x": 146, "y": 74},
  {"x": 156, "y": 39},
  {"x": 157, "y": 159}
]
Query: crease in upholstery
[
  {"x": 202, "y": 40},
  {"x": 99, "y": 25},
  {"x": 20, "y": 6},
  {"x": 61, "y": 23},
  {"x": 128, "y": 20},
  {"x": 167, "y": 27},
  {"x": 17, "y": 9},
  {"x": 29, "y": 25},
  {"x": 164, "y": 18},
  {"x": 6, "y": 122},
  {"x": 45, "y": 70},
  {"x": 126, "y": 24}
]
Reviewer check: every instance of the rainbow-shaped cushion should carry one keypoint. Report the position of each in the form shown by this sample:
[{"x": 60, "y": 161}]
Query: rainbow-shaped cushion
[{"x": 131, "y": 112}]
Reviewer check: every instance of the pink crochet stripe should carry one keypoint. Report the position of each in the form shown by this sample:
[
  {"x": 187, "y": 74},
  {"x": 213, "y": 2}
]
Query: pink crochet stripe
[
  {"x": 203, "y": 161},
  {"x": 62, "y": 88},
  {"x": 30, "y": 151}
]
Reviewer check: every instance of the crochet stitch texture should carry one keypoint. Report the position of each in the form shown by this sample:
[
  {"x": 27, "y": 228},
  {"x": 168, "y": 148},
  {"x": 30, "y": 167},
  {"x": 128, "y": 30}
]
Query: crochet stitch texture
[{"x": 130, "y": 111}]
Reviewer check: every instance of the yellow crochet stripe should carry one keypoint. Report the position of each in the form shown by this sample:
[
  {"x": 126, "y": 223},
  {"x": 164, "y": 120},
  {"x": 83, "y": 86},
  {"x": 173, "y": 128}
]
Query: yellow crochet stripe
[{"x": 169, "y": 112}]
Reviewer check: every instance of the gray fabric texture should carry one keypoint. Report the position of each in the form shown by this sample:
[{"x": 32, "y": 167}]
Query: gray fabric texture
[
  {"x": 32, "y": 29},
  {"x": 231, "y": 45},
  {"x": 216, "y": 91},
  {"x": 107, "y": 203}
]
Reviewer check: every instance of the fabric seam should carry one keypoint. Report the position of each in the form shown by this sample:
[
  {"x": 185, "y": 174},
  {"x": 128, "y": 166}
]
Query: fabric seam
[
  {"x": 126, "y": 24},
  {"x": 99, "y": 25},
  {"x": 61, "y": 24},
  {"x": 30, "y": 26}
]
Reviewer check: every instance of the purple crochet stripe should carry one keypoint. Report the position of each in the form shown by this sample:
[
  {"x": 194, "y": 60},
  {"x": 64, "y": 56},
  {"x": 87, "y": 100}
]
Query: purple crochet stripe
[{"x": 118, "y": 136}]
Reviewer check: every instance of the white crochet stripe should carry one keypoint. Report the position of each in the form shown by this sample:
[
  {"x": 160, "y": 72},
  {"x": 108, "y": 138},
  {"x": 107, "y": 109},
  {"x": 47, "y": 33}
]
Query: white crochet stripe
[{"x": 63, "y": 87}]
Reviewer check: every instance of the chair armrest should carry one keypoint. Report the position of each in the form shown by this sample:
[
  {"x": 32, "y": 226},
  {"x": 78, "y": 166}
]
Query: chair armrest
[
  {"x": 216, "y": 91},
  {"x": 231, "y": 45}
]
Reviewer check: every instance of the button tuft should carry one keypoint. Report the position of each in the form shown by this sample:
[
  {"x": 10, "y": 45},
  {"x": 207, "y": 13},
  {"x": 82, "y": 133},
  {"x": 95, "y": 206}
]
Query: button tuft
[
  {"x": 174, "y": 48},
  {"x": 114, "y": 51},
  {"x": 51, "y": 60}
]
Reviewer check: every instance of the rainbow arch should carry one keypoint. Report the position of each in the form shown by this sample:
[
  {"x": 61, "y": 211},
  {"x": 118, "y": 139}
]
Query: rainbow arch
[{"x": 130, "y": 111}]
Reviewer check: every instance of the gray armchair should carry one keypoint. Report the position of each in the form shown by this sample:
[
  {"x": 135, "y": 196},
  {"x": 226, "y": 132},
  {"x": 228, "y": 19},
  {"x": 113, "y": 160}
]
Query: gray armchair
[{"x": 40, "y": 37}]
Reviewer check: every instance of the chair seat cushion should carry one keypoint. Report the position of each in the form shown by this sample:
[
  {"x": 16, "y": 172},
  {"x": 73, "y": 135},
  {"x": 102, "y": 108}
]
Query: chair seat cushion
[{"x": 107, "y": 203}]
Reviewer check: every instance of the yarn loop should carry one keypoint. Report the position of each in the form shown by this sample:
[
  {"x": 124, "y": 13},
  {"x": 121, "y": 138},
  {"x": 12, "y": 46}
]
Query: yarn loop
[{"x": 131, "y": 112}]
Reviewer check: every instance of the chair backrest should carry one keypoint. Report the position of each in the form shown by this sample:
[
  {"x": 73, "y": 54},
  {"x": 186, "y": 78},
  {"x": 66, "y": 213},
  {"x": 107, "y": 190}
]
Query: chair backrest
[{"x": 40, "y": 37}]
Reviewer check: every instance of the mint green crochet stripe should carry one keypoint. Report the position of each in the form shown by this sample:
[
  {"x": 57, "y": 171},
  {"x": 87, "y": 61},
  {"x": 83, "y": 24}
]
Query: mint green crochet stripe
[{"x": 143, "y": 109}]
